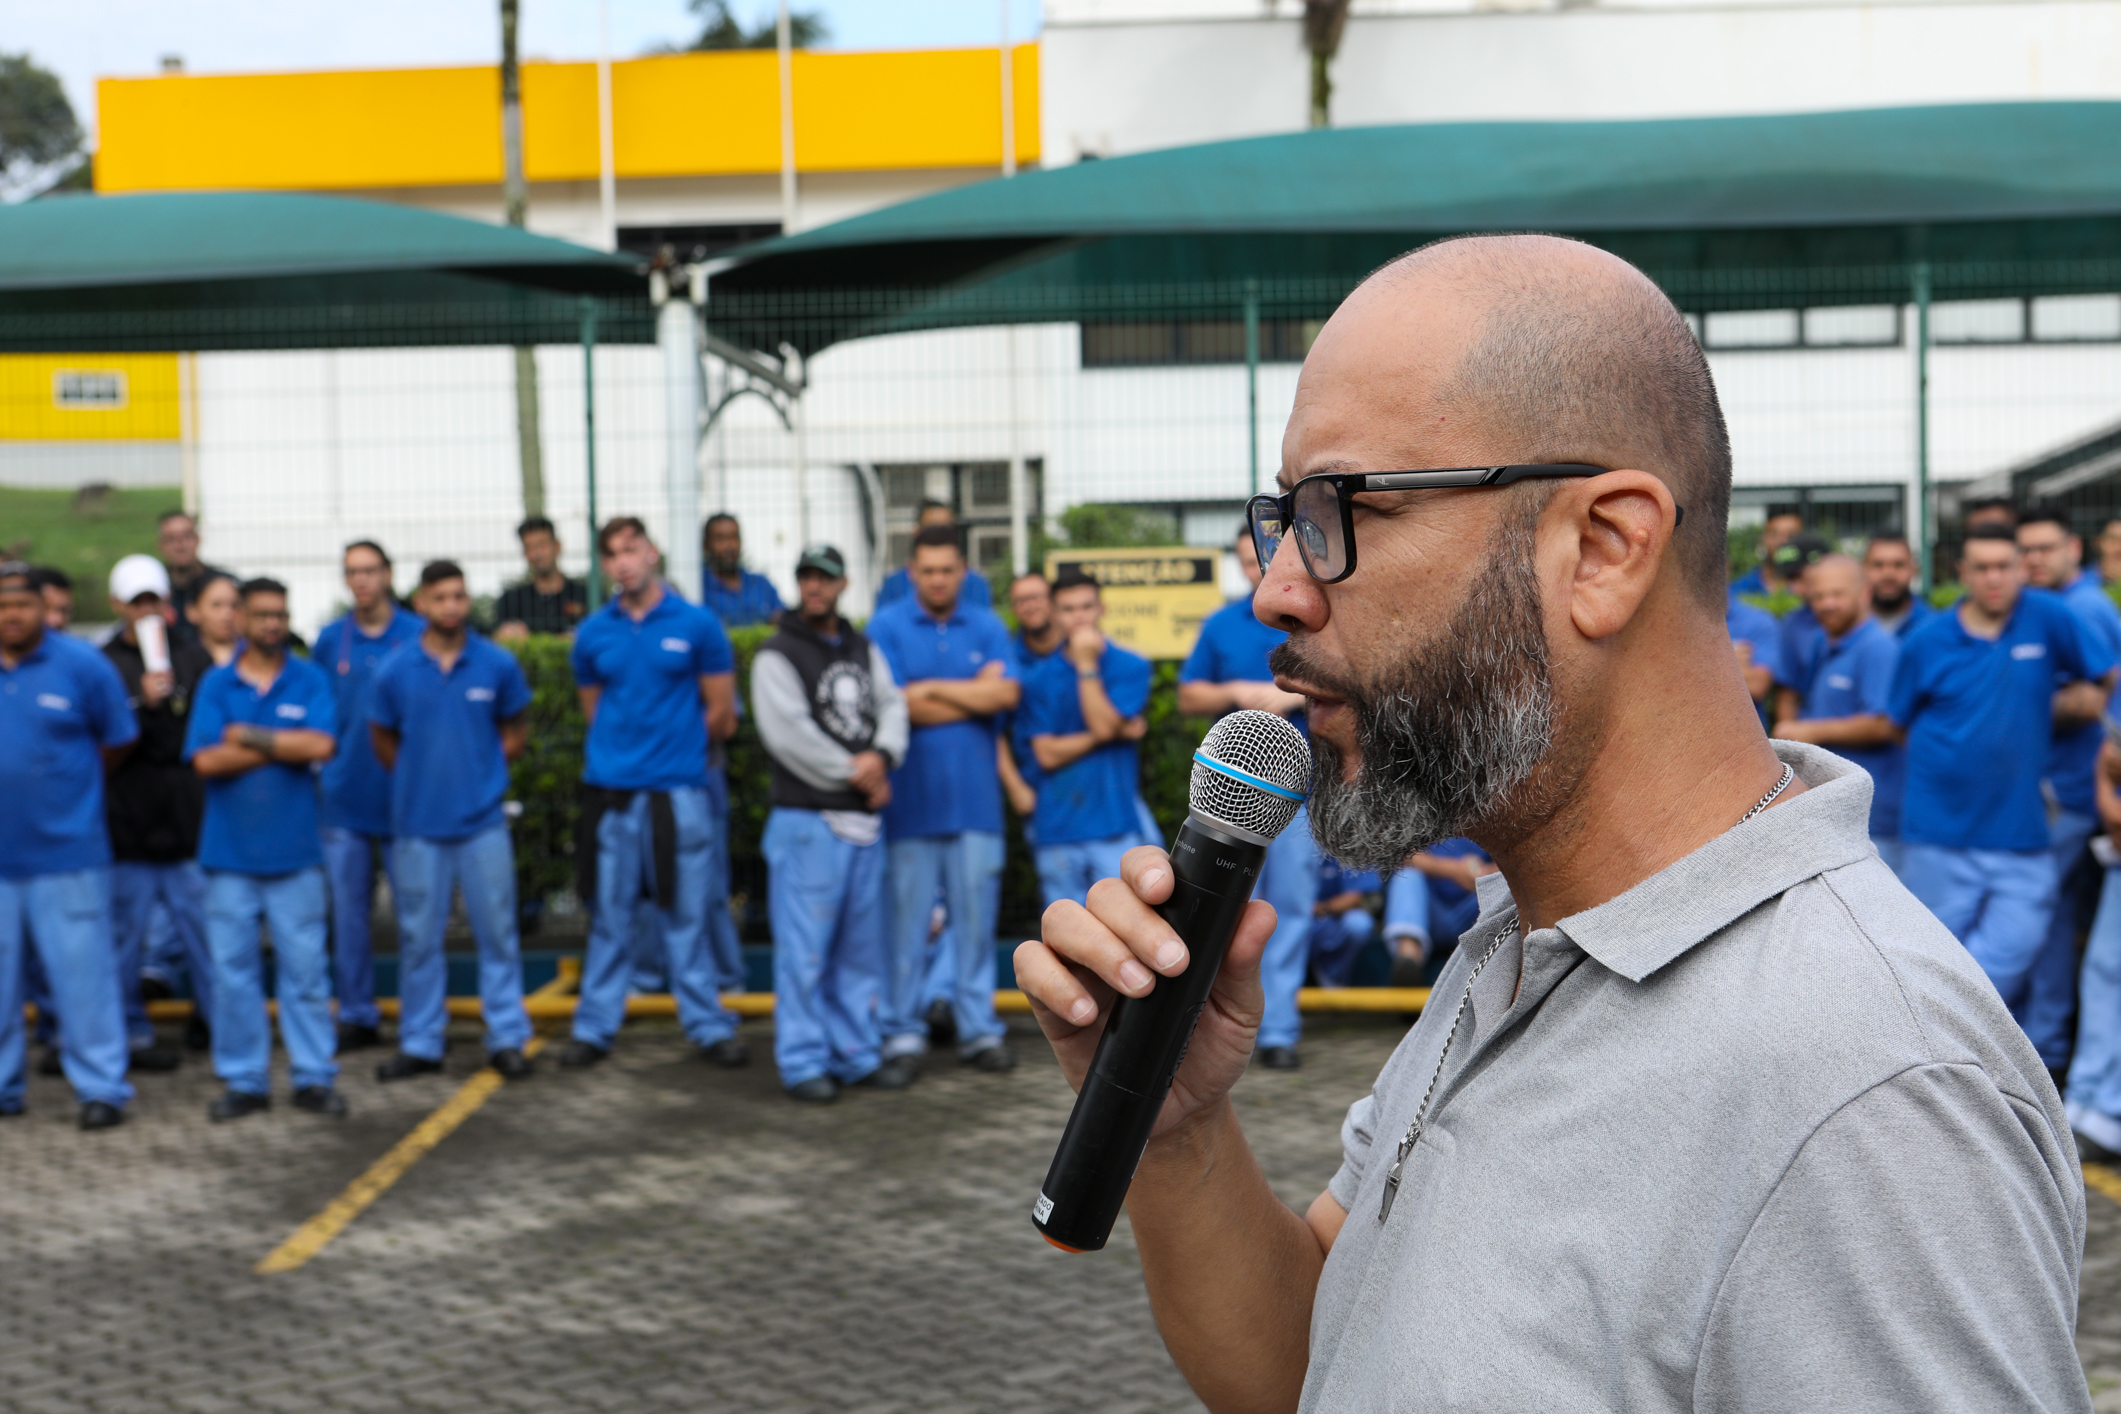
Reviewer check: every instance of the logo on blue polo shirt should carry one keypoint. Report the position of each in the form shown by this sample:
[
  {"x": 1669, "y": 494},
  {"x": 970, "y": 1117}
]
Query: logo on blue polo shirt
[
  {"x": 478, "y": 694},
  {"x": 292, "y": 710},
  {"x": 54, "y": 701},
  {"x": 677, "y": 645},
  {"x": 2023, "y": 651},
  {"x": 1840, "y": 681}
]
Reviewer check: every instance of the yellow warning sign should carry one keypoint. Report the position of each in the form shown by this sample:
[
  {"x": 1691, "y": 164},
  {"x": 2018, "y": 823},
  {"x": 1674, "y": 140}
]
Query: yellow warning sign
[{"x": 1155, "y": 599}]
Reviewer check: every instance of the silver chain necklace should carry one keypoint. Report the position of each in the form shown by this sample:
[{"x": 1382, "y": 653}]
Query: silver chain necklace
[{"x": 1413, "y": 1134}]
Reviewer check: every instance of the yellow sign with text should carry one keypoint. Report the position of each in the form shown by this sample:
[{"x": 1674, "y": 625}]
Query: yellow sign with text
[{"x": 1155, "y": 599}]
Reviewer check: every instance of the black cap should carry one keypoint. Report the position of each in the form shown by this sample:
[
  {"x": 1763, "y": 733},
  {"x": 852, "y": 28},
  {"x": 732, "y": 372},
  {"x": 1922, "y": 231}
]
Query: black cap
[
  {"x": 18, "y": 569},
  {"x": 824, "y": 559},
  {"x": 1800, "y": 552}
]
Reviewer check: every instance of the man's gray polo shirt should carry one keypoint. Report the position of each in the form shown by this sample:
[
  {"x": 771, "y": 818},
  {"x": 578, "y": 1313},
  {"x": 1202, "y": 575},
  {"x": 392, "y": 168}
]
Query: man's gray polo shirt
[{"x": 1755, "y": 1135}]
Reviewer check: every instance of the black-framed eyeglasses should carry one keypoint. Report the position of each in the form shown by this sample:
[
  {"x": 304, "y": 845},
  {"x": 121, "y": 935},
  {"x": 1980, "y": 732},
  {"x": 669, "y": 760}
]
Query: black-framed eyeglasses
[{"x": 1321, "y": 508}]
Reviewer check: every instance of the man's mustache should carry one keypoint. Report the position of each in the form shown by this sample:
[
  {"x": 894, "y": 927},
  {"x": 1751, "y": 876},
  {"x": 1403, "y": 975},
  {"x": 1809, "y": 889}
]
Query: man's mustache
[{"x": 1289, "y": 660}]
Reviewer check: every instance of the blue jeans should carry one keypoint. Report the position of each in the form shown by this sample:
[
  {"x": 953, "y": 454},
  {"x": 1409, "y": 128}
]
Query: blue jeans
[
  {"x": 826, "y": 899},
  {"x": 2051, "y": 1003},
  {"x": 2095, "y": 1071},
  {"x": 350, "y": 859},
  {"x": 626, "y": 886},
  {"x": 1334, "y": 942},
  {"x": 969, "y": 868},
  {"x": 181, "y": 891},
  {"x": 293, "y": 906},
  {"x": 1996, "y": 901},
  {"x": 1289, "y": 881},
  {"x": 426, "y": 873},
  {"x": 65, "y": 918},
  {"x": 722, "y": 939},
  {"x": 1068, "y": 870}
]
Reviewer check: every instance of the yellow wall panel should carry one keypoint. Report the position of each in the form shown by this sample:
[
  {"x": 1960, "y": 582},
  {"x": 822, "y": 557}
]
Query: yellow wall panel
[
  {"x": 362, "y": 128},
  {"x": 113, "y": 397},
  {"x": 703, "y": 114}
]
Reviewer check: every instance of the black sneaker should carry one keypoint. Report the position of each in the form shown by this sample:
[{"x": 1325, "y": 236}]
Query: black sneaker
[
  {"x": 994, "y": 1060},
  {"x": 580, "y": 1055},
  {"x": 1281, "y": 1058},
  {"x": 511, "y": 1063},
  {"x": 154, "y": 988},
  {"x": 942, "y": 1024},
  {"x": 96, "y": 1114},
  {"x": 403, "y": 1067},
  {"x": 358, "y": 1038},
  {"x": 817, "y": 1090},
  {"x": 156, "y": 1059},
  {"x": 237, "y": 1104},
  {"x": 894, "y": 1074},
  {"x": 321, "y": 1100},
  {"x": 729, "y": 1053}
]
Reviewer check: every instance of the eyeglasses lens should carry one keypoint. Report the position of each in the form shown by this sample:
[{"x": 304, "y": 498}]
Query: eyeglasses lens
[
  {"x": 1318, "y": 528},
  {"x": 1264, "y": 513}
]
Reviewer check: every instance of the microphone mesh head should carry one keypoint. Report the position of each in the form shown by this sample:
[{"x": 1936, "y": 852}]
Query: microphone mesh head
[{"x": 1266, "y": 746}]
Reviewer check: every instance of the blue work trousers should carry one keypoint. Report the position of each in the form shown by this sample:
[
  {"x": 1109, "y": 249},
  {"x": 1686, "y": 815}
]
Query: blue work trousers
[
  {"x": 351, "y": 860},
  {"x": 2051, "y": 1002},
  {"x": 1066, "y": 871},
  {"x": 651, "y": 969},
  {"x": 1998, "y": 902},
  {"x": 425, "y": 874},
  {"x": 1334, "y": 941},
  {"x": 626, "y": 886},
  {"x": 292, "y": 905},
  {"x": 180, "y": 890},
  {"x": 65, "y": 919},
  {"x": 969, "y": 868},
  {"x": 1289, "y": 881},
  {"x": 2095, "y": 1071},
  {"x": 826, "y": 899}
]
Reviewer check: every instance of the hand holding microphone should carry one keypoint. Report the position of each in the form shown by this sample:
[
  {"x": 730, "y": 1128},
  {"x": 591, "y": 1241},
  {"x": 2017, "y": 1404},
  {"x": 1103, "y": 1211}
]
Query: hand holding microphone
[{"x": 1171, "y": 1045}]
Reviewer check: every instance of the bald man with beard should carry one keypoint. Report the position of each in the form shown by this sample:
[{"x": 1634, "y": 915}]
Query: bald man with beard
[{"x": 1707, "y": 1113}]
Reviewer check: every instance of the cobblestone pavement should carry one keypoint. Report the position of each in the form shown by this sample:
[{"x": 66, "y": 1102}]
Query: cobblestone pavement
[{"x": 651, "y": 1235}]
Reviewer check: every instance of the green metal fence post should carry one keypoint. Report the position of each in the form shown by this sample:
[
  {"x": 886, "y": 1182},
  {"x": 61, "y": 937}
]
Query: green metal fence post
[
  {"x": 1919, "y": 533},
  {"x": 589, "y": 440},
  {"x": 1252, "y": 382}
]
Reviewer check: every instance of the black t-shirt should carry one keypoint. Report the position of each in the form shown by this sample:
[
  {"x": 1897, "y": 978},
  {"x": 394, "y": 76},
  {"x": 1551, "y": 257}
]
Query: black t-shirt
[
  {"x": 543, "y": 613},
  {"x": 154, "y": 800}
]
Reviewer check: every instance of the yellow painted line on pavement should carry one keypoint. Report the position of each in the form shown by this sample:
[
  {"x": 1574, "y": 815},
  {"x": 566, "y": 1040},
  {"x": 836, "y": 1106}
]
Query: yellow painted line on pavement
[
  {"x": 2101, "y": 1179},
  {"x": 313, "y": 1236}
]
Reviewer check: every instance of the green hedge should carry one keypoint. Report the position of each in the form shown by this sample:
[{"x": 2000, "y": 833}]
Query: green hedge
[{"x": 546, "y": 776}]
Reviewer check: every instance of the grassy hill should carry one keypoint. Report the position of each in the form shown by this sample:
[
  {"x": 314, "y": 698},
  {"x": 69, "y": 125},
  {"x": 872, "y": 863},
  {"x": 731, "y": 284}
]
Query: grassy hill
[{"x": 82, "y": 532}]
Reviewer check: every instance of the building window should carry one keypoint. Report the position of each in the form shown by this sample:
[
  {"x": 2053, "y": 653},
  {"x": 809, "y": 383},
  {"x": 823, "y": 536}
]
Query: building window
[{"x": 90, "y": 392}]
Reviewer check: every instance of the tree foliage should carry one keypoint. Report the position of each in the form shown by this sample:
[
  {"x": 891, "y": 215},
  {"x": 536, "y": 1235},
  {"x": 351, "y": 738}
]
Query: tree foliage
[
  {"x": 720, "y": 29},
  {"x": 40, "y": 139}
]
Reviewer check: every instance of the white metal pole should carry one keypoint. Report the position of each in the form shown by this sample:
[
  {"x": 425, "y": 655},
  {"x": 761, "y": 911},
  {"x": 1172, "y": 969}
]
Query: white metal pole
[
  {"x": 798, "y": 425},
  {"x": 1008, "y": 110},
  {"x": 607, "y": 171},
  {"x": 681, "y": 413},
  {"x": 785, "y": 42},
  {"x": 1019, "y": 497}
]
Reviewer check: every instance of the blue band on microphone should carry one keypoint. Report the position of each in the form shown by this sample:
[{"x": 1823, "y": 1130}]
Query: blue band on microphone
[{"x": 1251, "y": 780}]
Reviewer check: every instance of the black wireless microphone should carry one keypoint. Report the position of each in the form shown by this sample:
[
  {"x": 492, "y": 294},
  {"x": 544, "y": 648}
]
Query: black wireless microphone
[{"x": 1249, "y": 779}]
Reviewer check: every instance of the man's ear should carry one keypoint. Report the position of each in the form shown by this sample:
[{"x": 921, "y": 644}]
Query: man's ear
[{"x": 1621, "y": 525}]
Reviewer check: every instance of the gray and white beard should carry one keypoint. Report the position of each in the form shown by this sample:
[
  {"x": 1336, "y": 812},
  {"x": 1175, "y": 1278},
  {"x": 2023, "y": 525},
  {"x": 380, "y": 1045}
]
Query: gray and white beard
[{"x": 1448, "y": 737}]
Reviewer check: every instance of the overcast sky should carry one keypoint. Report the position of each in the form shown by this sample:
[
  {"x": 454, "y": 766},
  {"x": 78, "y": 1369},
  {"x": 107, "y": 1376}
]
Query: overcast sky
[{"x": 86, "y": 39}]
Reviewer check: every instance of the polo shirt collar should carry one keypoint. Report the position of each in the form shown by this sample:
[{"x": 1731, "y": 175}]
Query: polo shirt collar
[
  {"x": 955, "y": 616},
  {"x": 666, "y": 603},
  {"x": 1660, "y": 918},
  {"x": 42, "y": 651}
]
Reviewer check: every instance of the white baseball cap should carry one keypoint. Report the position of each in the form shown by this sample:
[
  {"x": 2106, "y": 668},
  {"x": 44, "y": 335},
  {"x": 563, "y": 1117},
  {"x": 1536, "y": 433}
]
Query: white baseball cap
[{"x": 136, "y": 575}]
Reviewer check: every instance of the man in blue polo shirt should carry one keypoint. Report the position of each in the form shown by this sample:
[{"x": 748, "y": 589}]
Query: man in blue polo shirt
[
  {"x": 733, "y": 594},
  {"x": 1226, "y": 671},
  {"x": 446, "y": 718},
  {"x": 898, "y": 585},
  {"x": 259, "y": 727},
  {"x": 1852, "y": 683},
  {"x": 1803, "y": 640},
  {"x": 1038, "y": 637},
  {"x": 1756, "y": 637},
  {"x": 1762, "y": 579},
  {"x": 1974, "y": 695},
  {"x": 356, "y": 785},
  {"x": 1889, "y": 574},
  {"x": 656, "y": 677},
  {"x": 2054, "y": 559},
  {"x": 943, "y": 825},
  {"x": 1082, "y": 715},
  {"x": 64, "y": 716},
  {"x": 1428, "y": 904}
]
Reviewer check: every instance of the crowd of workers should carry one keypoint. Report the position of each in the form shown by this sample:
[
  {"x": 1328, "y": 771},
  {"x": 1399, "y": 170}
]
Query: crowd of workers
[{"x": 195, "y": 779}]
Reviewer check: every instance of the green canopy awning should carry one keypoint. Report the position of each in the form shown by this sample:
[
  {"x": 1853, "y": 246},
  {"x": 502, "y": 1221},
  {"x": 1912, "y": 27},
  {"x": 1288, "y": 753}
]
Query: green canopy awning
[
  {"x": 246, "y": 270},
  {"x": 1727, "y": 213}
]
